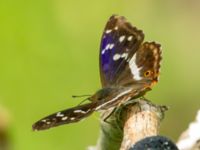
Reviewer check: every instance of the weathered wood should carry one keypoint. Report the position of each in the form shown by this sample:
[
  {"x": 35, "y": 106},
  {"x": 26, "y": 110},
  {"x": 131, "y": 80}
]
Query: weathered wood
[{"x": 129, "y": 123}]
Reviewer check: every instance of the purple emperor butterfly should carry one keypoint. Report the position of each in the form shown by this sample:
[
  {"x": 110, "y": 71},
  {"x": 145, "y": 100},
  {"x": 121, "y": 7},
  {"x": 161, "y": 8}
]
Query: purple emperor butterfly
[{"x": 128, "y": 68}]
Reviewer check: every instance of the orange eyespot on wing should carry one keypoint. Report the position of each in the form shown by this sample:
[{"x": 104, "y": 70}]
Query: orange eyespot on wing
[{"x": 148, "y": 73}]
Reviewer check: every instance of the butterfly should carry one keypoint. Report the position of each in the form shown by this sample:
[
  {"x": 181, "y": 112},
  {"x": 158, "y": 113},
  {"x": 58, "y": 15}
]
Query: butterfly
[{"x": 129, "y": 68}]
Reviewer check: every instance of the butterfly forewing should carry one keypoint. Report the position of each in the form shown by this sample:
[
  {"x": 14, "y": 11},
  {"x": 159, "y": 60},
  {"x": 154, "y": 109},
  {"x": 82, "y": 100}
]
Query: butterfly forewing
[
  {"x": 119, "y": 42},
  {"x": 70, "y": 115}
]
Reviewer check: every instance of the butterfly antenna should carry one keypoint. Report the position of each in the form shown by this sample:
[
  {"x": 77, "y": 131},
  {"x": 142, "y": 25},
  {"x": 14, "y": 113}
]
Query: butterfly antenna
[
  {"x": 78, "y": 96},
  {"x": 83, "y": 101}
]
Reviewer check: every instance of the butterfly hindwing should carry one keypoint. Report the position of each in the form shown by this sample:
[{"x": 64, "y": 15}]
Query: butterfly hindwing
[
  {"x": 143, "y": 67},
  {"x": 119, "y": 42},
  {"x": 148, "y": 59}
]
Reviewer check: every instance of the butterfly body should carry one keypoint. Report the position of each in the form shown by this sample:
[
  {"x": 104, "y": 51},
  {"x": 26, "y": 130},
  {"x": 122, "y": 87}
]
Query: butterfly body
[
  {"x": 112, "y": 96},
  {"x": 129, "y": 68}
]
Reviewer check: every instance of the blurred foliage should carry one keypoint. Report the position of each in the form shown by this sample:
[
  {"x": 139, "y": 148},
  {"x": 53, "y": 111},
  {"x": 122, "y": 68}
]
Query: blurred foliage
[{"x": 49, "y": 51}]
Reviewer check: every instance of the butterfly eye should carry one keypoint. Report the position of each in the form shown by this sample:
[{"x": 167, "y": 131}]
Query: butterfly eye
[{"x": 148, "y": 73}]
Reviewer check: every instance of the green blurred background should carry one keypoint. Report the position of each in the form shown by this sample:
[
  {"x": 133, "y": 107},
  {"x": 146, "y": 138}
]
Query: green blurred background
[{"x": 49, "y": 51}]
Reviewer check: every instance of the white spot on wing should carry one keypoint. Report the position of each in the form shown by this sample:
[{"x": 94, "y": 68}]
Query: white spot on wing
[
  {"x": 116, "y": 28},
  {"x": 59, "y": 114},
  {"x": 48, "y": 122},
  {"x": 72, "y": 118},
  {"x": 124, "y": 55},
  {"x": 108, "y": 47},
  {"x": 79, "y": 111},
  {"x": 130, "y": 38},
  {"x": 134, "y": 68},
  {"x": 111, "y": 46},
  {"x": 64, "y": 118},
  {"x": 118, "y": 56},
  {"x": 121, "y": 38},
  {"x": 108, "y": 31},
  {"x": 88, "y": 110}
]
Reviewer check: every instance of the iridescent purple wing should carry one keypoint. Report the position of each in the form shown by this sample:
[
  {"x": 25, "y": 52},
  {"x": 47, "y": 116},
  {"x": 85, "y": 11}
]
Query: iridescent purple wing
[{"x": 119, "y": 42}]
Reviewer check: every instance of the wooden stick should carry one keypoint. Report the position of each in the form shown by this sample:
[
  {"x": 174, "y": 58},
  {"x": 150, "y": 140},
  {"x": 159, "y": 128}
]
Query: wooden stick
[{"x": 128, "y": 124}]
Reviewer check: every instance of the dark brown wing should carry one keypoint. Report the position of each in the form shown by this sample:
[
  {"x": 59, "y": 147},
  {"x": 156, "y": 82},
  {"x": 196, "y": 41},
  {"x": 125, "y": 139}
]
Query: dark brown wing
[
  {"x": 119, "y": 42},
  {"x": 67, "y": 116},
  {"x": 143, "y": 67}
]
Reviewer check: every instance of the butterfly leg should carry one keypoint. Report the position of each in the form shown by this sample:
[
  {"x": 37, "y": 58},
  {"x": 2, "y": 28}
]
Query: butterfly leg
[{"x": 108, "y": 115}]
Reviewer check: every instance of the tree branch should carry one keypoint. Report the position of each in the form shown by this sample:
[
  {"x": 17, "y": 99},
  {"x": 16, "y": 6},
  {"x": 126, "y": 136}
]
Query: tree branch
[{"x": 128, "y": 124}]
